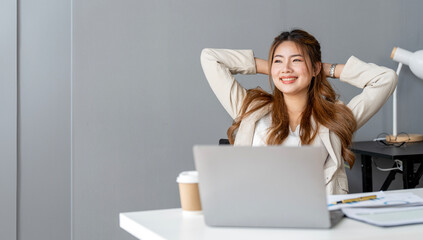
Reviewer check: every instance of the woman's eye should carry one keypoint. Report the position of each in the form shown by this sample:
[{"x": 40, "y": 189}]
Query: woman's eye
[
  {"x": 277, "y": 61},
  {"x": 297, "y": 60}
]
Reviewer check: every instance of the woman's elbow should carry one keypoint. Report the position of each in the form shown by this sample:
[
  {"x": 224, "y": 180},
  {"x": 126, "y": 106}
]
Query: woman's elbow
[
  {"x": 392, "y": 76},
  {"x": 207, "y": 54}
]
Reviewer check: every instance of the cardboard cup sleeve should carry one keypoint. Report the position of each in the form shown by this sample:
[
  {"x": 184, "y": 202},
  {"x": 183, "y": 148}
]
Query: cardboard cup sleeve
[{"x": 188, "y": 191}]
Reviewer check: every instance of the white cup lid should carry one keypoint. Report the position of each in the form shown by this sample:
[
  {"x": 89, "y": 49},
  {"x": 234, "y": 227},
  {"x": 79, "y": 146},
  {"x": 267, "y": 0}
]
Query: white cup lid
[{"x": 188, "y": 177}]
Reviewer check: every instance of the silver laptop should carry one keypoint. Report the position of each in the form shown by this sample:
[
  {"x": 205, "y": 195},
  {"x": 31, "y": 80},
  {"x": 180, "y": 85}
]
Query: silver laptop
[{"x": 270, "y": 186}]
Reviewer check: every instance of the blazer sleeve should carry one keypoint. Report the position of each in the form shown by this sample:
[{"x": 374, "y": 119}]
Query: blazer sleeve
[
  {"x": 378, "y": 83},
  {"x": 219, "y": 66}
]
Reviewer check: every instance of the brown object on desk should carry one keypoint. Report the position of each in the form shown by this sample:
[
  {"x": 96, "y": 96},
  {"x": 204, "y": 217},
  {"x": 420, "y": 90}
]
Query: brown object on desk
[
  {"x": 190, "y": 196},
  {"x": 188, "y": 191},
  {"x": 404, "y": 138}
]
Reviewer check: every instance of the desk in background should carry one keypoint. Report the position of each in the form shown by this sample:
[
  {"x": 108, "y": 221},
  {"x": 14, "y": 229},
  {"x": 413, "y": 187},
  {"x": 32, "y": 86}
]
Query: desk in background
[
  {"x": 173, "y": 225},
  {"x": 410, "y": 154}
]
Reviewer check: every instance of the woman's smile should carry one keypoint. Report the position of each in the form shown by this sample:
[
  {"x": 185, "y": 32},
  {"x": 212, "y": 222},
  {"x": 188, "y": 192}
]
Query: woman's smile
[{"x": 288, "y": 79}]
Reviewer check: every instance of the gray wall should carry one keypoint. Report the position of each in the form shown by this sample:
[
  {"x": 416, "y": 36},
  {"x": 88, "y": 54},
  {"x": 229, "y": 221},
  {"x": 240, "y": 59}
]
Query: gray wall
[
  {"x": 112, "y": 95},
  {"x": 140, "y": 99},
  {"x": 44, "y": 139},
  {"x": 8, "y": 118}
]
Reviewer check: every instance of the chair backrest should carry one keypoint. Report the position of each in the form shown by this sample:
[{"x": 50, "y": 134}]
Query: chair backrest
[{"x": 224, "y": 141}]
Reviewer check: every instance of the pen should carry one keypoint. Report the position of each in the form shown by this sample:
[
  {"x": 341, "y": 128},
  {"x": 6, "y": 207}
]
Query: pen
[{"x": 359, "y": 199}]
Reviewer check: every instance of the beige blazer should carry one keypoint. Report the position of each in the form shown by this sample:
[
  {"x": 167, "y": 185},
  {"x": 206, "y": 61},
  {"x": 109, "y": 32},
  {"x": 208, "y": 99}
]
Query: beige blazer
[{"x": 378, "y": 83}]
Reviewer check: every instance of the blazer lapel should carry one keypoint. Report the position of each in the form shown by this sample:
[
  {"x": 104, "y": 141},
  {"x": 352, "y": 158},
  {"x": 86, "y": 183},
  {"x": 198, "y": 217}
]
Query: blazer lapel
[
  {"x": 245, "y": 134},
  {"x": 331, "y": 164},
  {"x": 325, "y": 137}
]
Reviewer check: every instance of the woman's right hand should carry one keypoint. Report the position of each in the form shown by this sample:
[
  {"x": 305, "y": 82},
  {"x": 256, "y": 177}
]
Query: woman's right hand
[{"x": 262, "y": 66}]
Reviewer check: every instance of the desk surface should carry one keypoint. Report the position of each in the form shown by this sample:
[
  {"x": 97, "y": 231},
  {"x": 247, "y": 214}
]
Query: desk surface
[
  {"x": 173, "y": 224},
  {"x": 378, "y": 149}
]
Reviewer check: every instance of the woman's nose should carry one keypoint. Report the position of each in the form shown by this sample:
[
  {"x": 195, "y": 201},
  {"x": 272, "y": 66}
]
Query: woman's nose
[{"x": 286, "y": 68}]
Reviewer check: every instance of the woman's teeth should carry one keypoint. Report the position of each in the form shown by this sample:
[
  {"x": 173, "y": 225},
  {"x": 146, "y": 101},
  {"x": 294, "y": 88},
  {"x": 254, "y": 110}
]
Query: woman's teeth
[{"x": 288, "y": 79}]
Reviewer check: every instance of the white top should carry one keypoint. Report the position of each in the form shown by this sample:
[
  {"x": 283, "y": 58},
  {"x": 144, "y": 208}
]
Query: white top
[
  {"x": 262, "y": 128},
  {"x": 261, "y": 131},
  {"x": 293, "y": 139}
]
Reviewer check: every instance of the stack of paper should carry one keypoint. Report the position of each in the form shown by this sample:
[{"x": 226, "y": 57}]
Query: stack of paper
[{"x": 385, "y": 210}]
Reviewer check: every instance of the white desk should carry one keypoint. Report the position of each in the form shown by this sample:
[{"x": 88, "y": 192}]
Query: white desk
[{"x": 172, "y": 224}]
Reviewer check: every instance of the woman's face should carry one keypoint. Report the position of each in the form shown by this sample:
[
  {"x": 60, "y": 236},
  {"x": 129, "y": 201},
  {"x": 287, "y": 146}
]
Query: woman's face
[{"x": 289, "y": 70}]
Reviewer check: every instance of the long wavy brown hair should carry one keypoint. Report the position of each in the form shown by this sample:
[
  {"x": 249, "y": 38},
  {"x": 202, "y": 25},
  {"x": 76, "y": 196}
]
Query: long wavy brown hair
[{"x": 323, "y": 105}]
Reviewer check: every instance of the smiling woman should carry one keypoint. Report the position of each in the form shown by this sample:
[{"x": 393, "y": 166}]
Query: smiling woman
[{"x": 303, "y": 108}]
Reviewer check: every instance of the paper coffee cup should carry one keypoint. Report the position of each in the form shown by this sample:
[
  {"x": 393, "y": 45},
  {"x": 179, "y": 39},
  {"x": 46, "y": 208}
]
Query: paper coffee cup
[{"x": 188, "y": 191}]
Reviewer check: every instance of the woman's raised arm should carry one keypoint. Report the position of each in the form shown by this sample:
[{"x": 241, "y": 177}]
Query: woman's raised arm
[
  {"x": 219, "y": 66},
  {"x": 377, "y": 82}
]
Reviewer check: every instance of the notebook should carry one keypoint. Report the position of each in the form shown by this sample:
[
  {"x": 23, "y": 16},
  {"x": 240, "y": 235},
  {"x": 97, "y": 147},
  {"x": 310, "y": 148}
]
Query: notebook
[{"x": 271, "y": 186}]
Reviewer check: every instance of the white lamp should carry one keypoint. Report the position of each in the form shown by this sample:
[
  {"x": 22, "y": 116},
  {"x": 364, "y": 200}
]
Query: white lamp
[{"x": 415, "y": 62}]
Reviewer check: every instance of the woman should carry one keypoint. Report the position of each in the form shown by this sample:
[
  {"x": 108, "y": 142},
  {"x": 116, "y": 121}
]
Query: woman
[{"x": 303, "y": 109}]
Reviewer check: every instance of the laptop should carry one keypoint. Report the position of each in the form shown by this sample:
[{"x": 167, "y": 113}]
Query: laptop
[{"x": 272, "y": 186}]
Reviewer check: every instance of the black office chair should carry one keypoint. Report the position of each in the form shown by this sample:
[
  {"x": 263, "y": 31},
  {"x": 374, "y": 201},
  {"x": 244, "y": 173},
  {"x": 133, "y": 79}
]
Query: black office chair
[{"x": 224, "y": 141}]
